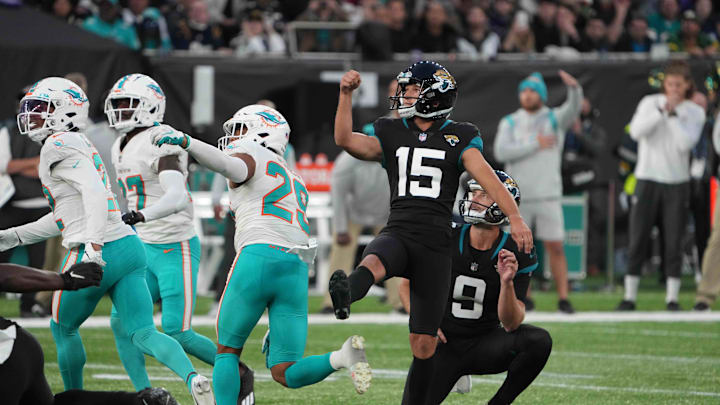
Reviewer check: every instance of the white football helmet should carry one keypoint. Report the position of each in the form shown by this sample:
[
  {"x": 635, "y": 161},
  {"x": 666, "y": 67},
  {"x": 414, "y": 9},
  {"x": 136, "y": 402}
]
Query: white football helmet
[
  {"x": 260, "y": 123},
  {"x": 145, "y": 103},
  {"x": 60, "y": 104}
]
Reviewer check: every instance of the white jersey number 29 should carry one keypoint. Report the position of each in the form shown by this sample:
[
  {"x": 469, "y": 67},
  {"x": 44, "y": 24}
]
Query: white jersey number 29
[
  {"x": 417, "y": 169},
  {"x": 477, "y": 299}
]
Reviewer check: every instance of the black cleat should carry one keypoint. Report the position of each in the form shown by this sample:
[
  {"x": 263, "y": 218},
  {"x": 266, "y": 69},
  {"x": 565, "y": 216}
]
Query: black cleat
[
  {"x": 156, "y": 396},
  {"x": 673, "y": 306},
  {"x": 247, "y": 386},
  {"x": 625, "y": 305},
  {"x": 565, "y": 307},
  {"x": 529, "y": 304},
  {"x": 339, "y": 288},
  {"x": 701, "y": 307}
]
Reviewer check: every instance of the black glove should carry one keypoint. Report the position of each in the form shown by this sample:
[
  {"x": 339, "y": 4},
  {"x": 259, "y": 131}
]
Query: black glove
[
  {"x": 156, "y": 396},
  {"x": 82, "y": 275},
  {"x": 133, "y": 217}
]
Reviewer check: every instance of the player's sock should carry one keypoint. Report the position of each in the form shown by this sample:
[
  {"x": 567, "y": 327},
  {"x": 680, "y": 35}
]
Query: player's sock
[
  {"x": 308, "y": 370},
  {"x": 361, "y": 279},
  {"x": 631, "y": 287},
  {"x": 672, "y": 289},
  {"x": 133, "y": 360},
  {"x": 166, "y": 350},
  {"x": 535, "y": 345},
  {"x": 418, "y": 381},
  {"x": 74, "y": 397},
  {"x": 226, "y": 379},
  {"x": 71, "y": 355},
  {"x": 197, "y": 345}
]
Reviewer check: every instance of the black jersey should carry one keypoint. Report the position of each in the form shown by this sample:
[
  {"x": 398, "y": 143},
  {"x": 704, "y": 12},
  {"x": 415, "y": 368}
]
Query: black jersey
[
  {"x": 471, "y": 308},
  {"x": 423, "y": 169}
]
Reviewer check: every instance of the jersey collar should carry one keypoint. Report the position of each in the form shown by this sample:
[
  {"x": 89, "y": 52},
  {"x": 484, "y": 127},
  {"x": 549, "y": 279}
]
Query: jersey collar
[{"x": 465, "y": 240}]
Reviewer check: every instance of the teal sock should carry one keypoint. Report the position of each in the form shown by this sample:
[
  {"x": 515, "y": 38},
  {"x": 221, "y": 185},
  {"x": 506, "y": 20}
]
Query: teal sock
[
  {"x": 166, "y": 350},
  {"x": 71, "y": 355},
  {"x": 226, "y": 379},
  {"x": 197, "y": 345},
  {"x": 308, "y": 370},
  {"x": 133, "y": 360}
]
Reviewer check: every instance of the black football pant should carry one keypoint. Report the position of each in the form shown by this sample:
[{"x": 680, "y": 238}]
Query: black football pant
[
  {"x": 22, "y": 378},
  {"x": 522, "y": 353}
]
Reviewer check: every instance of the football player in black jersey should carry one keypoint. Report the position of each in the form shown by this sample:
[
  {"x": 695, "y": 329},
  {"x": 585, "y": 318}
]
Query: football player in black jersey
[
  {"x": 424, "y": 154},
  {"x": 490, "y": 276}
]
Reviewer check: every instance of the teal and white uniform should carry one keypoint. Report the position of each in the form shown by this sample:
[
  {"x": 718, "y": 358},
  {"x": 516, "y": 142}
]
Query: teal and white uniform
[
  {"x": 71, "y": 171},
  {"x": 171, "y": 246},
  {"x": 268, "y": 272}
]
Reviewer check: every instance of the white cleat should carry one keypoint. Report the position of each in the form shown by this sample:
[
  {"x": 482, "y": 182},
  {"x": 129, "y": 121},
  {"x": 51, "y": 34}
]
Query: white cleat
[
  {"x": 463, "y": 385},
  {"x": 354, "y": 351},
  {"x": 202, "y": 391}
]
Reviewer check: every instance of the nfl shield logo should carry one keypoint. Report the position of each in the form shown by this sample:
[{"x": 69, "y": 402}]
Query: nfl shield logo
[
  {"x": 473, "y": 266},
  {"x": 422, "y": 137}
]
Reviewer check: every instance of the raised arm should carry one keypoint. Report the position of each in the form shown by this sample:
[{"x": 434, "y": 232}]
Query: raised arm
[
  {"x": 570, "y": 109},
  {"x": 480, "y": 170},
  {"x": 511, "y": 311},
  {"x": 33, "y": 232},
  {"x": 355, "y": 143}
]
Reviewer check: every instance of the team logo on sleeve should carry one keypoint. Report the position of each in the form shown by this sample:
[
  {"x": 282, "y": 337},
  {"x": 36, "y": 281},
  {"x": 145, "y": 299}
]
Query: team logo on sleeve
[
  {"x": 452, "y": 139},
  {"x": 422, "y": 137}
]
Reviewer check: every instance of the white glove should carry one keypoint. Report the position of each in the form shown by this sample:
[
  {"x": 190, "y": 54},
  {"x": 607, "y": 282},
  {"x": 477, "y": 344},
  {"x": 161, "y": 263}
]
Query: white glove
[
  {"x": 92, "y": 255},
  {"x": 8, "y": 239},
  {"x": 167, "y": 135}
]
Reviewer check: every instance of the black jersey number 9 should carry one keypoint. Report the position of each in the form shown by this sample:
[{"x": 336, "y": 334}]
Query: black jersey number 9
[
  {"x": 417, "y": 169},
  {"x": 476, "y": 298}
]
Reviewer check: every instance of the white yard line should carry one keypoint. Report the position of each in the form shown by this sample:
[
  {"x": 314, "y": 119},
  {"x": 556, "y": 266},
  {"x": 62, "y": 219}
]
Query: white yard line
[
  {"x": 393, "y": 319},
  {"x": 640, "y": 357}
]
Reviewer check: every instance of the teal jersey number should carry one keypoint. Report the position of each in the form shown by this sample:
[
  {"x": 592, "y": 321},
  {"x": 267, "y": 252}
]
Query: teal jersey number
[
  {"x": 137, "y": 184},
  {"x": 283, "y": 190}
]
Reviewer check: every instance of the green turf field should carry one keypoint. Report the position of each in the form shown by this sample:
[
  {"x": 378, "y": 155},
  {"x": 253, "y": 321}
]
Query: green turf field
[{"x": 591, "y": 363}]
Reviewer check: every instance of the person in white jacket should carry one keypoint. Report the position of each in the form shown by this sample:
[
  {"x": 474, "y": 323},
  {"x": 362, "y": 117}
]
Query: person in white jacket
[
  {"x": 530, "y": 143},
  {"x": 666, "y": 127}
]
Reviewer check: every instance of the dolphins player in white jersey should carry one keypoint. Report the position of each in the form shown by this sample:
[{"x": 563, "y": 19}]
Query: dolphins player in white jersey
[
  {"x": 154, "y": 183},
  {"x": 85, "y": 211},
  {"x": 271, "y": 268}
]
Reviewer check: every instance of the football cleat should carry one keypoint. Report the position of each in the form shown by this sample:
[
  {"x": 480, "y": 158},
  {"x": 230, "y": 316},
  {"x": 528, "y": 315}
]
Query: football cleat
[
  {"x": 463, "y": 385},
  {"x": 625, "y": 305},
  {"x": 701, "y": 307},
  {"x": 673, "y": 306},
  {"x": 353, "y": 354},
  {"x": 565, "y": 307},
  {"x": 156, "y": 396},
  {"x": 339, "y": 288},
  {"x": 247, "y": 386},
  {"x": 201, "y": 391}
]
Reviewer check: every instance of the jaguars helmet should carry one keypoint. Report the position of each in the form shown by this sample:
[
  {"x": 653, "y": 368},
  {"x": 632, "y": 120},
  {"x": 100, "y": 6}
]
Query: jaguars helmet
[
  {"x": 60, "y": 103},
  {"x": 259, "y": 123},
  {"x": 475, "y": 213},
  {"x": 146, "y": 103},
  {"x": 438, "y": 91}
]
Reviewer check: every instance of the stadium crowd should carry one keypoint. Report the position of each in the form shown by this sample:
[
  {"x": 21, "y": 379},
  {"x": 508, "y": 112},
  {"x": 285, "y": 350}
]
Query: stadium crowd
[{"x": 481, "y": 28}]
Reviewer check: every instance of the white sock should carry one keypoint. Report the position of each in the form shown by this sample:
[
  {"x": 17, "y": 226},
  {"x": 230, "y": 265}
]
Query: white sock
[
  {"x": 337, "y": 361},
  {"x": 672, "y": 289},
  {"x": 631, "y": 287}
]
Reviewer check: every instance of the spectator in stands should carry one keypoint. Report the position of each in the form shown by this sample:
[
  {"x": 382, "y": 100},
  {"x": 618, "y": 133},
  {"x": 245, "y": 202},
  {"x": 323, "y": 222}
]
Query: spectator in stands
[
  {"x": 520, "y": 38},
  {"x": 19, "y": 159},
  {"x": 434, "y": 34},
  {"x": 194, "y": 31},
  {"x": 636, "y": 38},
  {"x": 258, "y": 36},
  {"x": 666, "y": 127},
  {"x": 373, "y": 35},
  {"x": 502, "y": 16},
  {"x": 529, "y": 142},
  {"x": 322, "y": 40},
  {"x": 149, "y": 23},
  {"x": 65, "y": 10},
  {"x": 544, "y": 25},
  {"x": 709, "y": 287},
  {"x": 594, "y": 38},
  {"x": 109, "y": 24},
  {"x": 705, "y": 16},
  {"x": 479, "y": 39},
  {"x": 665, "y": 23},
  {"x": 400, "y": 26},
  {"x": 566, "y": 23},
  {"x": 691, "y": 39}
]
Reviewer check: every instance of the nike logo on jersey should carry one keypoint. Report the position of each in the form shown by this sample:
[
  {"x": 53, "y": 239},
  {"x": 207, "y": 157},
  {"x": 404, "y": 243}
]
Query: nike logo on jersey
[{"x": 168, "y": 250}]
